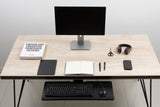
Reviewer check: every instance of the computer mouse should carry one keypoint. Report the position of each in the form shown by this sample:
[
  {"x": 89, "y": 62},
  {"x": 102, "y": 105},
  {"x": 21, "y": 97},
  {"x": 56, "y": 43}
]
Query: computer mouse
[{"x": 102, "y": 93}]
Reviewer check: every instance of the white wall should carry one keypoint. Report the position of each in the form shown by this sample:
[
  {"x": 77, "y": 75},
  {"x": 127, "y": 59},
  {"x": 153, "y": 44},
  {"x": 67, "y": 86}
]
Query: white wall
[
  {"x": 36, "y": 17},
  {"x": 135, "y": 17}
]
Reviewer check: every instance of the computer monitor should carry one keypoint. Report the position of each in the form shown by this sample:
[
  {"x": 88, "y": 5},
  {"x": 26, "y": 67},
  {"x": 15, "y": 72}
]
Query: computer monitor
[{"x": 80, "y": 21}]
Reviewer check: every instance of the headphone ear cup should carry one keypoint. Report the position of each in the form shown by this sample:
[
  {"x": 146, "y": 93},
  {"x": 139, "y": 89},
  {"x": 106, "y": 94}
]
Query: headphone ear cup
[
  {"x": 127, "y": 50},
  {"x": 119, "y": 49}
]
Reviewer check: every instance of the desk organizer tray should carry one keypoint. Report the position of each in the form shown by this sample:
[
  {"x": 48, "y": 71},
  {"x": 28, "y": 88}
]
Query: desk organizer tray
[{"x": 97, "y": 86}]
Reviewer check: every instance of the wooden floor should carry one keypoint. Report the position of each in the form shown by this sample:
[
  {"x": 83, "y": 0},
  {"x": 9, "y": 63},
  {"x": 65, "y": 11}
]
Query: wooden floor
[{"x": 127, "y": 93}]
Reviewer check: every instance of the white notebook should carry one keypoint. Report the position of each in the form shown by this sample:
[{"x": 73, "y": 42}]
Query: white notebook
[
  {"x": 79, "y": 68},
  {"x": 32, "y": 50}
]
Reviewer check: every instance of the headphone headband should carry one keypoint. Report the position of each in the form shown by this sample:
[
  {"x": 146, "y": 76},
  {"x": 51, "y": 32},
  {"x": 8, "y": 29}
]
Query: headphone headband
[
  {"x": 127, "y": 49},
  {"x": 125, "y": 45}
]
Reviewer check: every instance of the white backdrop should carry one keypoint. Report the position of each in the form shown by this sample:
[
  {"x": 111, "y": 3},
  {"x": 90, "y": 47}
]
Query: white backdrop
[{"x": 35, "y": 17}]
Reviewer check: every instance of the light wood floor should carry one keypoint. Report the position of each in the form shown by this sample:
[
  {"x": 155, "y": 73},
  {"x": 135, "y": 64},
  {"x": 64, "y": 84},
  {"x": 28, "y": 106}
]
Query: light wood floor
[{"x": 127, "y": 93}]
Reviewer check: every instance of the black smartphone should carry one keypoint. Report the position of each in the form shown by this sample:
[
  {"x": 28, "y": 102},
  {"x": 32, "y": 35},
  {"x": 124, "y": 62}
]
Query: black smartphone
[{"x": 127, "y": 64}]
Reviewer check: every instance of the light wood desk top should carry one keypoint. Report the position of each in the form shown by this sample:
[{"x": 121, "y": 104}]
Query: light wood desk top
[{"x": 144, "y": 61}]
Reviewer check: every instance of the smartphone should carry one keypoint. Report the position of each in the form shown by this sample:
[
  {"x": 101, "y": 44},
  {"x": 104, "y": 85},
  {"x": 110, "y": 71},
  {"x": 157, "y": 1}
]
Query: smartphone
[{"x": 127, "y": 64}]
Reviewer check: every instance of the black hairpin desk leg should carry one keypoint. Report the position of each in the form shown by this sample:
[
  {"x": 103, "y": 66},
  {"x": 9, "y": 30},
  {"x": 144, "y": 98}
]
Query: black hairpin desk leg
[
  {"x": 20, "y": 95},
  {"x": 14, "y": 93},
  {"x": 150, "y": 92},
  {"x": 145, "y": 92}
]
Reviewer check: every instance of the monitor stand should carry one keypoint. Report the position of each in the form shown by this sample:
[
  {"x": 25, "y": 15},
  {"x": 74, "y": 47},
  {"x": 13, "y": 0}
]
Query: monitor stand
[{"x": 80, "y": 44}]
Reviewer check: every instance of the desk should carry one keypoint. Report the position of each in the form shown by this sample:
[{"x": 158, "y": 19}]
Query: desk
[{"x": 144, "y": 61}]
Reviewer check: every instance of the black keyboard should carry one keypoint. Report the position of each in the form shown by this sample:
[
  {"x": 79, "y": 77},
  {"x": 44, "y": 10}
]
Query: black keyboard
[
  {"x": 78, "y": 90},
  {"x": 69, "y": 90}
]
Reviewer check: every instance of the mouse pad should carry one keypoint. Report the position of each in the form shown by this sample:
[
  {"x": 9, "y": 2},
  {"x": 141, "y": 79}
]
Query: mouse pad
[{"x": 47, "y": 67}]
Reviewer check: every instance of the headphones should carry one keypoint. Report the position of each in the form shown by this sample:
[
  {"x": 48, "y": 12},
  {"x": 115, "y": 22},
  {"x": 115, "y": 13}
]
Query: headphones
[{"x": 127, "y": 49}]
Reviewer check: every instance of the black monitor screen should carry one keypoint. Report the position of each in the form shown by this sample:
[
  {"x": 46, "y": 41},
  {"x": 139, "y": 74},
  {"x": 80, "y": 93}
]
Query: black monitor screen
[{"x": 80, "y": 20}]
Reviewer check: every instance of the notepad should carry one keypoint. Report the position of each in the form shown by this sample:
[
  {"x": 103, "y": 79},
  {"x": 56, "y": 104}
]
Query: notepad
[{"x": 79, "y": 68}]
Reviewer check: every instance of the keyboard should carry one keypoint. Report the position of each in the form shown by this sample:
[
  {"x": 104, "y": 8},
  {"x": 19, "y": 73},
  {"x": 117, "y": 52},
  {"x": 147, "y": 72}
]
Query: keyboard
[
  {"x": 78, "y": 90},
  {"x": 69, "y": 90}
]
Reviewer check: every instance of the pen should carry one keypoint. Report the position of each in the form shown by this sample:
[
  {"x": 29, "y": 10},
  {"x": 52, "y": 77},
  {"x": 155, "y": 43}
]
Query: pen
[
  {"x": 104, "y": 65},
  {"x": 99, "y": 66}
]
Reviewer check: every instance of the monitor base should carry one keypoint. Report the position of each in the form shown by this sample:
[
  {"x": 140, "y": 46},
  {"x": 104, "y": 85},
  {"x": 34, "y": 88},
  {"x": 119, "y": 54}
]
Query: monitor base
[{"x": 76, "y": 46}]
